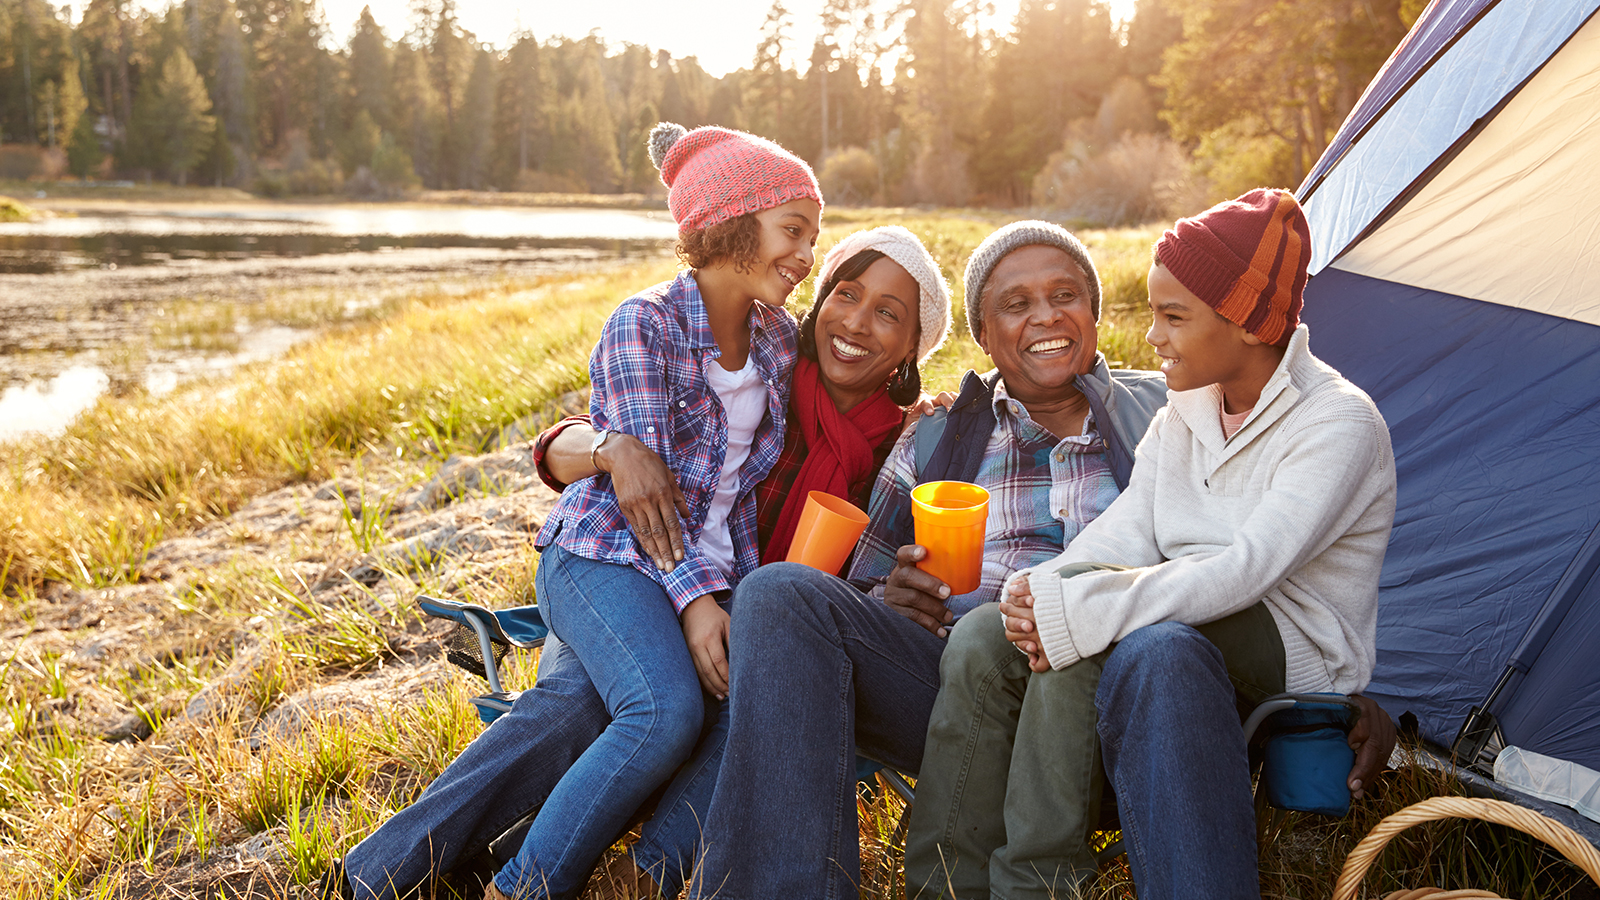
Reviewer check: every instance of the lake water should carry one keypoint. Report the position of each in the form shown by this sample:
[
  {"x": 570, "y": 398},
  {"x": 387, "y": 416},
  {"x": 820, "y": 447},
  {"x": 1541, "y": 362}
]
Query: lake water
[{"x": 83, "y": 292}]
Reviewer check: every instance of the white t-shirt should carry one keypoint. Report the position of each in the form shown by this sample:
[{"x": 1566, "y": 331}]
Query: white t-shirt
[{"x": 744, "y": 399}]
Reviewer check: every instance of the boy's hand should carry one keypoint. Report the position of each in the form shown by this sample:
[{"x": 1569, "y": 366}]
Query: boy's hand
[
  {"x": 1022, "y": 628},
  {"x": 1373, "y": 740},
  {"x": 705, "y": 630},
  {"x": 649, "y": 495},
  {"x": 917, "y": 595}
]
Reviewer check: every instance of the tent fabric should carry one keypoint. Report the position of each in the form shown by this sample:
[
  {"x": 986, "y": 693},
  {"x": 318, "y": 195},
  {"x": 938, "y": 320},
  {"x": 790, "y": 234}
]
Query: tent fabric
[
  {"x": 1473, "y": 230},
  {"x": 1495, "y": 416},
  {"x": 1499, "y": 52},
  {"x": 1434, "y": 31}
]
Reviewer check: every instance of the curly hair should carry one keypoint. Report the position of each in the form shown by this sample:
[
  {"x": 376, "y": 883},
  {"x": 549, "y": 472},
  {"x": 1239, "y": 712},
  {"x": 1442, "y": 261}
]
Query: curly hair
[
  {"x": 738, "y": 239},
  {"x": 906, "y": 385}
]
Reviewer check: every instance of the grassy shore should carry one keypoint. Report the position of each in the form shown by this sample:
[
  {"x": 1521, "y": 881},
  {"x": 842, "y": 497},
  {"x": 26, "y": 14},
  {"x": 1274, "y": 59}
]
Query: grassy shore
[{"x": 213, "y": 679}]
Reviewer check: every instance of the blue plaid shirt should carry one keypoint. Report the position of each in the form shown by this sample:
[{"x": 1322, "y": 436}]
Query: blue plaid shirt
[
  {"x": 648, "y": 379},
  {"x": 1042, "y": 491}
]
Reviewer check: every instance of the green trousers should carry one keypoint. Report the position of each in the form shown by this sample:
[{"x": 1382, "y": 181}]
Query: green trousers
[{"x": 1010, "y": 784}]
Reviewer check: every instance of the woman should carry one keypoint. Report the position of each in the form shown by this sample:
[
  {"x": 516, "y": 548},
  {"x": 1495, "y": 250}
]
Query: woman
[{"x": 860, "y": 344}]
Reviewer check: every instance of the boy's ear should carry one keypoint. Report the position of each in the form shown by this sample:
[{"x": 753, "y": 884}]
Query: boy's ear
[{"x": 1248, "y": 338}]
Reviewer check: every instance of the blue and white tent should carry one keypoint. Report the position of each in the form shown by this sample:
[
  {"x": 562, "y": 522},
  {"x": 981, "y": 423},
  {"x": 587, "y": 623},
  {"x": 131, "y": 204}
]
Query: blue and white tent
[{"x": 1456, "y": 277}]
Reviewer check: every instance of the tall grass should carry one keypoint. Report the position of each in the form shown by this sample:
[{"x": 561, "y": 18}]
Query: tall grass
[{"x": 436, "y": 378}]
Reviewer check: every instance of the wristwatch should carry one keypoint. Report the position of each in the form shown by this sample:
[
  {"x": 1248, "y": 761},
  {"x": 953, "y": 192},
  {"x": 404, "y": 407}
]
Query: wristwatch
[{"x": 599, "y": 438}]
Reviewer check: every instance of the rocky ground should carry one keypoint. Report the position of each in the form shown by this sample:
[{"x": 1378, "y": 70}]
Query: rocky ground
[{"x": 220, "y": 603}]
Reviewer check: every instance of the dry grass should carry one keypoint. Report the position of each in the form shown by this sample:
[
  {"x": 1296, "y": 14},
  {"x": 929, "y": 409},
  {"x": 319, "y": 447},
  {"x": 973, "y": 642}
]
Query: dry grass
[{"x": 197, "y": 794}]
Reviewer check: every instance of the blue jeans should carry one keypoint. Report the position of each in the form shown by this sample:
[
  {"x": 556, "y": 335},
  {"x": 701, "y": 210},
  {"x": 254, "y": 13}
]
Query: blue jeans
[
  {"x": 623, "y": 628},
  {"x": 1175, "y": 755},
  {"x": 503, "y": 775},
  {"x": 818, "y": 671}
]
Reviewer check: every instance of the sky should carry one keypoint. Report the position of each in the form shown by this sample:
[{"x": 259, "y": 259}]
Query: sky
[{"x": 722, "y": 34}]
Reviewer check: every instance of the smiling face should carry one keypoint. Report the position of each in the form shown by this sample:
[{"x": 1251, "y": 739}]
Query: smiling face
[
  {"x": 865, "y": 329},
  {"x": 1038, "y": 322},
  {"x": 1197, "y": 347},
  {"x": 784, "y": 256}
]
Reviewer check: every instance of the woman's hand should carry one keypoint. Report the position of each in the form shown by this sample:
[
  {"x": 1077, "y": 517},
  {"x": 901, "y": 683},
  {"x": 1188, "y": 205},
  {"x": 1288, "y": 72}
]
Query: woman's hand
[
  {"x": 649, "y": 495},
  {"x": 705, "y": 630},
  {"x": 926, "y": 404}
]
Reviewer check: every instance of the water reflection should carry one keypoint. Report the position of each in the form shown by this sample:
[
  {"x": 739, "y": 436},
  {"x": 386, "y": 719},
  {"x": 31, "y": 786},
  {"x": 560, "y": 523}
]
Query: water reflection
[
  {"x": 144, "y": 236},
  {"x": 45, "y": 407},
  {"x": 108, "y": 296}
]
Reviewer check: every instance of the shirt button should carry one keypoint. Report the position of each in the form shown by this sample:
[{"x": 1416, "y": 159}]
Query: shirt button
[
  {"x": 683, "y": 403},
  {"x": 1061, "y": 457},
  {"x": 651, "y": 429}
]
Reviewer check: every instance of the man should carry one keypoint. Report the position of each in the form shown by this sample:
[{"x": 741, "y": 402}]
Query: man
[
  {"x": 821, "y": 669},
  {"x": 1258, "y": 512}
]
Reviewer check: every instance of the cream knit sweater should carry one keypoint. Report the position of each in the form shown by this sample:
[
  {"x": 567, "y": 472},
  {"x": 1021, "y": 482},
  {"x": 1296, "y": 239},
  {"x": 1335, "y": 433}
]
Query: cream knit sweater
[{"x": 1295, "y": 509}]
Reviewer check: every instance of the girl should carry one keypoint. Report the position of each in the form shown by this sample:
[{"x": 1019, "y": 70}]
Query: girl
[{"x": 697, "y": 369}]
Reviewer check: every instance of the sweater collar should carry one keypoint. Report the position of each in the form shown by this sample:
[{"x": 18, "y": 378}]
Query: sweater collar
[{"x": 1198, "y": 408}]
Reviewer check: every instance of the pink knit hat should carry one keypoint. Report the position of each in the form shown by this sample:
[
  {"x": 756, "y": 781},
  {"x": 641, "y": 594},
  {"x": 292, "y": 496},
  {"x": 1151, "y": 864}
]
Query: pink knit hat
[
  {"x": 713, "y": 174},
  {"x": 1247, "y": 259}
]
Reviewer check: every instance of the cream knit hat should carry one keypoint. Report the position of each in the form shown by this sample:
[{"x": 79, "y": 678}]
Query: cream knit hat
[{"x": 902, "y": 246}]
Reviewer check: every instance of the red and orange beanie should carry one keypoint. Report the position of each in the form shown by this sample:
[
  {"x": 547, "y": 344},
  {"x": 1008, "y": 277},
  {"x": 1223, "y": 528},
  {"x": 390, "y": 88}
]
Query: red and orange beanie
[
  {"x": 1247, "y": 259},
  {"x": 714, "y": 174}
]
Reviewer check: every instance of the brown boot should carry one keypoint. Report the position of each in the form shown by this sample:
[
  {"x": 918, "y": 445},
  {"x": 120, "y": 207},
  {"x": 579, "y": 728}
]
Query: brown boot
[{"x": 493, "y": 893}]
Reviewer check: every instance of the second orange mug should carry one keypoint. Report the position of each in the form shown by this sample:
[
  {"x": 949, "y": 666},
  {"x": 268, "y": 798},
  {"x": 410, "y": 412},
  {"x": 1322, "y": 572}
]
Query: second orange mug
[
  {"x": 951, "y": 518},
  {"x": 828, "y": 529}
]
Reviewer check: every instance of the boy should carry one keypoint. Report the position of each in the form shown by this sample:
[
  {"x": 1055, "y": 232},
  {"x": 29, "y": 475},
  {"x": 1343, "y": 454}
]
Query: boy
[{"x": 1258, "y": 512}]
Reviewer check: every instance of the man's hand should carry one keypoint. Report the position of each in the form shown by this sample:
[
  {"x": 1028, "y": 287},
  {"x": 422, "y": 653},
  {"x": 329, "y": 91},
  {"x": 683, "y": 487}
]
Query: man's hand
[
  {"x": 917, "y": 595},
  {"x": 1373, "y": 740},
  {"x": 649, "y": 495},
  {"x": 705, "y": 630},
  {"x": 1022, "y": 628}
]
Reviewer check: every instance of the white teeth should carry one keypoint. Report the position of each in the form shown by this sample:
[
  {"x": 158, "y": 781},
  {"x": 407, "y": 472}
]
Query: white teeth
[
  {"x": 848, "y": 350},
  {"x": 789, "y": 276},
  {"x": 1046, "y": 346}
]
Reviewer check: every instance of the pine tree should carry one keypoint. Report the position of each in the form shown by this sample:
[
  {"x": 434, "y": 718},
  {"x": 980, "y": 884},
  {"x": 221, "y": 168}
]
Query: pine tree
[{"x": 183, "y": 116}]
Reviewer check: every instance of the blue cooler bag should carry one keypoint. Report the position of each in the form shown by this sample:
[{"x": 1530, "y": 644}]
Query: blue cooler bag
[{"x": 1308, "y": 757}]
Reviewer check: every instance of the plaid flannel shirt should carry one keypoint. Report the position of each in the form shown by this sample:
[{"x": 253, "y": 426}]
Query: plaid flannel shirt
[
  {"x": 648, "y": 379},
  {"x": 1042, "y": 491}
]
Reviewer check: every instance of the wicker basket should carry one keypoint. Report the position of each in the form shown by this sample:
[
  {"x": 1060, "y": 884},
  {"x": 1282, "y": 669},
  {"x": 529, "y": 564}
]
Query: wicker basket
[{"x": 1579, "y": 851}]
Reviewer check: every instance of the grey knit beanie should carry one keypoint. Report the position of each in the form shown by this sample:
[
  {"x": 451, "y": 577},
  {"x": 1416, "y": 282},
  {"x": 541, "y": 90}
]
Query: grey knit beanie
[{"x": 1015, "y": 236}]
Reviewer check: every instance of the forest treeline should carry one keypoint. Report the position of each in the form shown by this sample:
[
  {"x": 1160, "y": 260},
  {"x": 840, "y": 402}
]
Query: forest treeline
[{"x": 897, "y": 101}]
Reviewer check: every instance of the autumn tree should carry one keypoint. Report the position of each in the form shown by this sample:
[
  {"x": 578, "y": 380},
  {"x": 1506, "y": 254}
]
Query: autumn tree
[{"x": 1259, "y": 86}]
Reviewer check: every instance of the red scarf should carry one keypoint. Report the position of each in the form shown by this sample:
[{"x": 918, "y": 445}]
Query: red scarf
[{"x": 838, "y": 447}]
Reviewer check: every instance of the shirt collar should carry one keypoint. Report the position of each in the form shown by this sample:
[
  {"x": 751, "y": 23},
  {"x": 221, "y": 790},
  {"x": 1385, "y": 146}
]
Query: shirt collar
[
  {"x": 697, "y": 322},
  {"x": 1005, "y": 407}
]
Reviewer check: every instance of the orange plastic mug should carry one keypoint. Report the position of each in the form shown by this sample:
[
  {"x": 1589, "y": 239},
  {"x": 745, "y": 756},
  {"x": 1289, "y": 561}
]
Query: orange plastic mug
[
  {"x": 828, "y": 530},
  {"x": 950, "y": 519}
]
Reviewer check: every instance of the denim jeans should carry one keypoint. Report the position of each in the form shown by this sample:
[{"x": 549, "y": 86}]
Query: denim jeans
[
  {"x": 818, "y": 672},
  {"x": 504, "y": 774},
  {"x": 623, "y": 628},
  {"x": 1010, "y": 782},
  {"x": 1176, "y": 757}
]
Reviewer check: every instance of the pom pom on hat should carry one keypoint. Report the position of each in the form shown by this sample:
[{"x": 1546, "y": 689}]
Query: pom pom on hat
[
  {"x": 661, "y": 139},
  {"x": 714, "y": 174},
  {"x": 904, "y": 248},
  {"x": 1247, "y": 258},
  {"x": 995, "y": 247}
]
